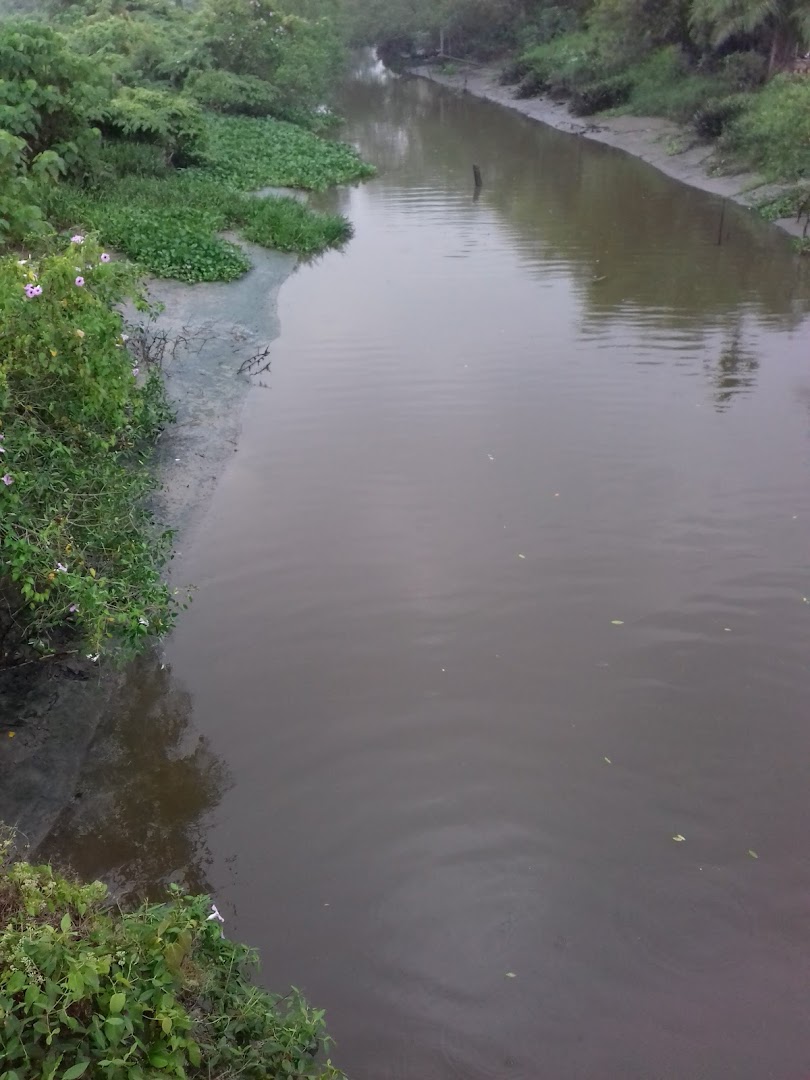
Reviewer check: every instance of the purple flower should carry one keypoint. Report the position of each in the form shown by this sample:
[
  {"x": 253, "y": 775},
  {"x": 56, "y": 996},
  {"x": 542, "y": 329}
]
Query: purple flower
[
  {"x": 73, "y": 608},
  {"x": 77, "y": 239},
  {"x": 79, "y": 281},
  {"x": 61, "y": 568},
  {"x": 37, "y": 290},
  {"x": 8, "y": 480},
  {"x": 135, "y": 372},
  {"x": 30, "y": 291},
  {"x": 104, "y": 257}
]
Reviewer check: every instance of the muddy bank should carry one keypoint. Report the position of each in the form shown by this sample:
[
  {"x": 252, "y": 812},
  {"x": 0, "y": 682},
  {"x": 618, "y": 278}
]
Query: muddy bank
[
  {"x": 209, "y": 335},
  {"x": 669, "y": 147}
]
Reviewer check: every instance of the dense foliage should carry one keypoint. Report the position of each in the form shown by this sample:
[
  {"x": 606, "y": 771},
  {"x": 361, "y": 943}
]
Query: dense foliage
[
  {"x": 116, "y": 90},
  {"x": 87, "y": 990},
  {"x": 80, "y": 558}
]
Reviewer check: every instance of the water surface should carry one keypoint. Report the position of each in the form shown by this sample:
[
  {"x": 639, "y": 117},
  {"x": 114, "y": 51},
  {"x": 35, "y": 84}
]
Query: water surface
[{"x": 505, "y": 588}]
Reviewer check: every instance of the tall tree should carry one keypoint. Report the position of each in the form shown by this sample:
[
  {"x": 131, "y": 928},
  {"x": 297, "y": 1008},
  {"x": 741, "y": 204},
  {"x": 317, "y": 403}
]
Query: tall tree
[{"x": 781, "y": 25}]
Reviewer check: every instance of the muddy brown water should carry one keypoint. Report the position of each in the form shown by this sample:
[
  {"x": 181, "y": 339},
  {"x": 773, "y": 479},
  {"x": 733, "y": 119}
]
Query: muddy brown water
[{"x": 506, "y": 588}]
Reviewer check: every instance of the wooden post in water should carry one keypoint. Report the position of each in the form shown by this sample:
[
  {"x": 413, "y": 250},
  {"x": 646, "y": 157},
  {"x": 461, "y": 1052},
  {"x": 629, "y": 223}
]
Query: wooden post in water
[
  {"x": 479, "y": 183},
  {"x": 722, "y": 220}
]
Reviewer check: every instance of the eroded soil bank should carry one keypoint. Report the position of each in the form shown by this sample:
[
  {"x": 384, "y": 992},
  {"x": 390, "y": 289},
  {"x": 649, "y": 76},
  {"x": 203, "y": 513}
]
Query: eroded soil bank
[
  {"x": 667, "y": 146},
  {"x": 208, "y": 336}
]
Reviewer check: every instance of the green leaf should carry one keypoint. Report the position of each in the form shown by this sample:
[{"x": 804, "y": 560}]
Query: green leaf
[
  {"x": 16, "y": 982},
  {"x": 66, "y": 923},
  {"x": 117, "y": 1002},
  {"x": 75, "y": 1070}
]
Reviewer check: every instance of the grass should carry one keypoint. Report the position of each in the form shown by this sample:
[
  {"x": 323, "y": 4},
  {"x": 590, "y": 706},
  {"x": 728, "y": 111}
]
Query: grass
[{"x": 168, "y": 221}]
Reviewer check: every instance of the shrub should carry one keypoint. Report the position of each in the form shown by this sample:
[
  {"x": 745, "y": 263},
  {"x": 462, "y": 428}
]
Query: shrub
[
  {"x": 743, "y": 70},
  {"x": 229, "y": 93},
  {"x": 513, "y": 73},
  {"x": 47, "y": 93},
  {"x": 565, "y": 63},
  {"x": 20, "y": 213},
  {"x": 665, "y": 85},
  {"x": 774, "y": 133},
  {"x": 137, "y": 47},
  {"x": 78, "y": 546},
  {"x": 171, "y": 121},
  {"x": 530, "y": 85},
  {"x": 598, "y": 96},
  {"x": 711, "y": 120},
  {"x": 87, "y": 990}
]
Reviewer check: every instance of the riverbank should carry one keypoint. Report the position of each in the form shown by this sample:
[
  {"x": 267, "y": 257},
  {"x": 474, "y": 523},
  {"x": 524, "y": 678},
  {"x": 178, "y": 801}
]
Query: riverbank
[
  {"x": 669, "y": 147},
  {"x": 50, "y": 713}
]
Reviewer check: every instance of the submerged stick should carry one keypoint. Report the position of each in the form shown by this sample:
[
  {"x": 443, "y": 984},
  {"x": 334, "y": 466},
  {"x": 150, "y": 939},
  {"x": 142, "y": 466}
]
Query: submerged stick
[
  {"x": 722, "y": 219},
  {"x": 479, "y": 183}
]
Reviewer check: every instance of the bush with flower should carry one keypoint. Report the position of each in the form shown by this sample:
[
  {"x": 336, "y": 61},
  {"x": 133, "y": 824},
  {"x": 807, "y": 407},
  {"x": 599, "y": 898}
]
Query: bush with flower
[{"x": 80, "y": 556}]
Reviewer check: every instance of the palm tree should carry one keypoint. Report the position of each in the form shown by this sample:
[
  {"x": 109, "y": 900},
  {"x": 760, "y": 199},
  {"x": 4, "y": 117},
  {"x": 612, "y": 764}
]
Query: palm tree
[{"x": 782, "y": 25}]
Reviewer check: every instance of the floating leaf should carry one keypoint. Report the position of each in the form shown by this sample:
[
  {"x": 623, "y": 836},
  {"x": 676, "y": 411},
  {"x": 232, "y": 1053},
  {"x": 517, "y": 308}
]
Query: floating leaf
[
  {"x": 617, "y": 622},
  {"x": 511, "y": 975},
  {"x": 521, "y": 556},
  {"x": 607, "y": 759},
  {"x": 753, "y": 854},
  {"x": 678, "y": 839}
]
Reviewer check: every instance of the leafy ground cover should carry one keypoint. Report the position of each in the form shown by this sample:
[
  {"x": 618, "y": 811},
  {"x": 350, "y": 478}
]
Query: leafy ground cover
[
  {"x": 88, "y": 990},
  {"x": 168, "y": 222}
]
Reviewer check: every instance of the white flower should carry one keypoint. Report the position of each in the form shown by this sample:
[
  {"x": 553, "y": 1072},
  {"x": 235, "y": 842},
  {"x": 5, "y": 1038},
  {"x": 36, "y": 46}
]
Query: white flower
[{"x": 215, "y": 915}]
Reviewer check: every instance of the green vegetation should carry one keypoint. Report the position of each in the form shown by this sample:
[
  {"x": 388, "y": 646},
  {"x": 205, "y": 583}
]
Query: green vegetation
[
  {"x": 87, "y": 990},
  {"x": 731, "y": 69},
  {"x": 111, "y": 103},
  {"x": 81, "y": 556},
  {"x": 168, "y": 220}
]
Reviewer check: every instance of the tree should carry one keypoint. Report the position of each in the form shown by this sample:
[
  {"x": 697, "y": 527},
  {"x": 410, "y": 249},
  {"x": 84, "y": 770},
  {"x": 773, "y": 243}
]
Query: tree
[{"x": 780, "y": 25}]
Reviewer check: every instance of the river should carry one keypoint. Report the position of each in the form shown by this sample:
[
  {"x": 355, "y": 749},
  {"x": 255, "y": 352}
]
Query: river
[{"x": 489, "y": 722}]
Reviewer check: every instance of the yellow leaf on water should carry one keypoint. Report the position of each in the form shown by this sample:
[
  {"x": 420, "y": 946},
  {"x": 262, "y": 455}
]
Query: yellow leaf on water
[
  {"x": 11, "y": 734},
  {"x": 617, "y": 622},
  {"x": 607, "y": 759},
  {"x": 678, "y": 839},
  {"x": 753, "y": 854},
  {"x": 511, "y": 975}
]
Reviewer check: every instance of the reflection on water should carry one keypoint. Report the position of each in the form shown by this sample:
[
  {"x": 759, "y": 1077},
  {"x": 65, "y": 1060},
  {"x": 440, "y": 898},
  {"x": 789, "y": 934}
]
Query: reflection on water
[
  {"x": 137, "y": 818},
  {"x": 504, "y": 590}
]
